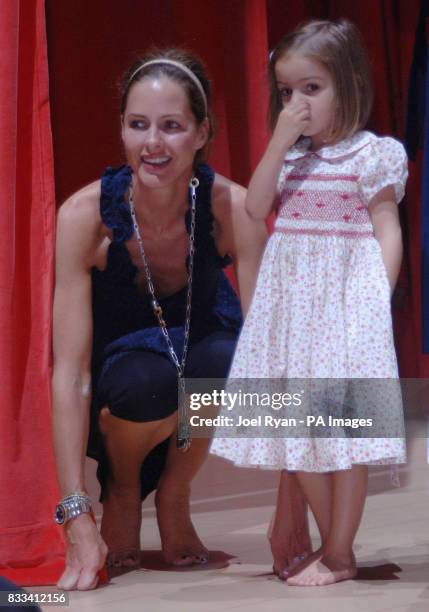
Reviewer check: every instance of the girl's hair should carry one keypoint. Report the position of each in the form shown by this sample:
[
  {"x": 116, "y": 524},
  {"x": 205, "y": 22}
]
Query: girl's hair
[
  {"x": 339, "y": 47},
  {"x": 196, "y": 101}
]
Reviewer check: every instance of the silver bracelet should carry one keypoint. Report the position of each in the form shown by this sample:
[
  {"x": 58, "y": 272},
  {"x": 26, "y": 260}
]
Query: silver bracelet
[{"x": 72, "y": 506}]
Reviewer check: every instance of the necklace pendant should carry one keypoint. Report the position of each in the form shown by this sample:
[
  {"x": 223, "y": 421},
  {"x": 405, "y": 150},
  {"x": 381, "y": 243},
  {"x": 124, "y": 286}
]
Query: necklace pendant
[{"x": 184, "y": 437}]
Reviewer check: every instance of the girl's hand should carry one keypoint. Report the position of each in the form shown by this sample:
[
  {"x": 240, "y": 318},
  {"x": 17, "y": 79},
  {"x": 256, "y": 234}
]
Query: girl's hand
[{"x": 293, "y": 119}]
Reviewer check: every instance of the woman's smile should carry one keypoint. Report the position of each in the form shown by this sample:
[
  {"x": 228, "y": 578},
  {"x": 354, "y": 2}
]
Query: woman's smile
[
  {"x": 159, "y": 131},
  {"x": 155, "y": 164}
]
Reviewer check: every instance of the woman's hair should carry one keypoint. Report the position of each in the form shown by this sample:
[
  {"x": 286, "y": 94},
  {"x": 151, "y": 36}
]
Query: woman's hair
[
  {"x": 339, "y": 47},
  {"x": 200, "y": 108}
]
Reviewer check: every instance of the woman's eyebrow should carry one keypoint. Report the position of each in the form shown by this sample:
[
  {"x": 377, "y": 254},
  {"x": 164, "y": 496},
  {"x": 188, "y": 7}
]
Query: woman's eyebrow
[{"x": 173, "y": 114}]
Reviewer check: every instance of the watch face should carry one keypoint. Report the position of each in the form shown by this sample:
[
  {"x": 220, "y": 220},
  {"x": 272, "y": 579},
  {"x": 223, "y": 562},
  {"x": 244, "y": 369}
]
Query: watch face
[{"x": 60, "y": 514}]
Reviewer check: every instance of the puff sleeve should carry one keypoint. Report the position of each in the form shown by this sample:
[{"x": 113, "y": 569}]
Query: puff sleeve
[{"x": 385, "y": 164}]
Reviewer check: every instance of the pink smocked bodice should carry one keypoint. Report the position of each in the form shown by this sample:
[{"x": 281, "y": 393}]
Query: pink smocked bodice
[{"x": 327, "y": 192}]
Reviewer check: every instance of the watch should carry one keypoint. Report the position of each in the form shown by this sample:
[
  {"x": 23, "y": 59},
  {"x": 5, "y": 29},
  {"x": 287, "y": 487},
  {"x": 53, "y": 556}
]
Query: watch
[{"x": 72, "y": 506}]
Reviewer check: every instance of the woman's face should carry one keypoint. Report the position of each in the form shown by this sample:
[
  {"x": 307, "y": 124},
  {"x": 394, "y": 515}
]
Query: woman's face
[{"x": 160, "y": 132}]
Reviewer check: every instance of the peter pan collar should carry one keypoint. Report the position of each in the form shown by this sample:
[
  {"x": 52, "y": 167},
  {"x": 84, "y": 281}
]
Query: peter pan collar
[{"x": 340, "y": 149}]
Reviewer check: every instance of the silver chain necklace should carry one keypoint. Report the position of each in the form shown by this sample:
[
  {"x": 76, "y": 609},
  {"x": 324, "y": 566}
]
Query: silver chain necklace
[{"x": 183, "y": 440}]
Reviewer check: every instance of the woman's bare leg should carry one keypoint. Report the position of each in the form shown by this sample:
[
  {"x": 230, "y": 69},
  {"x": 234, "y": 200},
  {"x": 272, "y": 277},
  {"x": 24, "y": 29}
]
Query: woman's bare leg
[
  {"x": 180, "y": 542},
  {"x": 127, "y": 444}
]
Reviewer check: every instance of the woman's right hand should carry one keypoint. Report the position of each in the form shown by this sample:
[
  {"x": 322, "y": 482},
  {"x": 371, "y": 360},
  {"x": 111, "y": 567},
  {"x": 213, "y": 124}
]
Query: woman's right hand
[
  {"x": 293, "y": 119},
  {"x": 85, "y": 556},
  {"x": 289, "y": 534}
]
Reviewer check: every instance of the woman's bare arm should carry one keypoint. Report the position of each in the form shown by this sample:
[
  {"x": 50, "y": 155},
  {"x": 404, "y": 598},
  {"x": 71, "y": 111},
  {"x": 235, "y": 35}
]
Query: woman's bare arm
[
  {"x": 77, "y": 235},
  {"x": 238, "y": 235},
  {"x": 245, "y": 238}
]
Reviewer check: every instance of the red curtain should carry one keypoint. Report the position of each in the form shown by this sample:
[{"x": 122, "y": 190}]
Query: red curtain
[
  {"x": 89, "y": 45},
  {"x": 31, "y": 548}
]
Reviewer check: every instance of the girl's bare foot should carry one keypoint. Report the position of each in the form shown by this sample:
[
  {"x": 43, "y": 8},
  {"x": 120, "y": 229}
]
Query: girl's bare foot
[
  {"x": 302, "y": 564},
  {"x": 325, "y": 570},
  {"x": 180, "y": 542}
]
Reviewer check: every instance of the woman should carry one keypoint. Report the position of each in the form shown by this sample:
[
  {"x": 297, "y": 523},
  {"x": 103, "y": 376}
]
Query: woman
[{"x": 132, "y": 257}]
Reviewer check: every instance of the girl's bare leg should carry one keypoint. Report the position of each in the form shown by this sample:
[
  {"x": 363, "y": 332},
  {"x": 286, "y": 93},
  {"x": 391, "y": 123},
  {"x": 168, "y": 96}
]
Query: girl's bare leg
[{"x": 336, "y": 560}]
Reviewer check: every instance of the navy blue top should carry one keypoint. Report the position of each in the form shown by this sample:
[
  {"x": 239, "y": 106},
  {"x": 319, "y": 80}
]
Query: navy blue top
[{"x": 123, "y": 318}]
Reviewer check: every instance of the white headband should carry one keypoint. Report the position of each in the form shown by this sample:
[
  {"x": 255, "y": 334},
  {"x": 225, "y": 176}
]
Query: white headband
[{"x": 182, "y": 67}]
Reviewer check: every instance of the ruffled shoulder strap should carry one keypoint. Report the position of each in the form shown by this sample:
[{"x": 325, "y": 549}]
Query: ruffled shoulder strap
[{"x": 114, "y": 209}]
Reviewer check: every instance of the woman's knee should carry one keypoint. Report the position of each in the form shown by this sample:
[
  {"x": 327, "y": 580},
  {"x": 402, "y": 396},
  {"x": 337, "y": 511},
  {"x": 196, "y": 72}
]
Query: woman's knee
[
  {"x": 212, "y": 356},
  {"x": 140, "y": 387}
]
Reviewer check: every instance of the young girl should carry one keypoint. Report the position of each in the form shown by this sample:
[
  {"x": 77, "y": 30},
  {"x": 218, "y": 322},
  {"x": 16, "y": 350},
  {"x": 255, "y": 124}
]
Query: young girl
[{"x": 321, "y": 307}]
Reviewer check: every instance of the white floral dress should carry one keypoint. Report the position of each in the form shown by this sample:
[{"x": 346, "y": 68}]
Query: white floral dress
[{"x": 321, "y": 307}]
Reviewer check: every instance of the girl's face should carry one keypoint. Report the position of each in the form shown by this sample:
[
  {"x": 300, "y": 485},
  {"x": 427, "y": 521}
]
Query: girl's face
[
  {"x": 160, "y": 132},
  {"x": 301, "y": 78}
]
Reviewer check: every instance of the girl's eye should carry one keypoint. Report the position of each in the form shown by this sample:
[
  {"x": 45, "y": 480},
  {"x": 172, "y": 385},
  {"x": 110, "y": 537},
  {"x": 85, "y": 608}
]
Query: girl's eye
[
  {"x": 285, "y": 92},
  {"x": 172, "y": 125},
  {"x": 137, "y": 124},
  {"x": 312, "y": 87}
]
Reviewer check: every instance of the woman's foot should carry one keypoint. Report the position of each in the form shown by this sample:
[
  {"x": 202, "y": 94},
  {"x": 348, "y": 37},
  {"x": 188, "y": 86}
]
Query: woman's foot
[
  {"x": 180, "y": 542},
  {"x": 120, "y": 526},
  {"x": 324, "y": 570}
]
